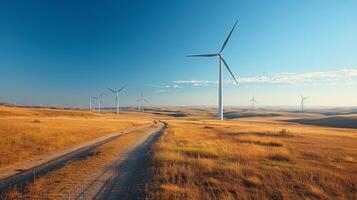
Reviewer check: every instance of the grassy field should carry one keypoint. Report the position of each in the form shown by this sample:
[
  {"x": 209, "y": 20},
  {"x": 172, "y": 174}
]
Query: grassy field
[
  {"x": 250, "y": 156},
  {"x": 26, "y": 132},
  {"x": 254, "y": 159}
]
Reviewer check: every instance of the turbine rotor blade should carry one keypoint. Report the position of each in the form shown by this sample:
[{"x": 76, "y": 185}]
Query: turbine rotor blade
[
  {"x": 226, "y": 41},
  {"x": 121, "y": 88},
  {"x": 225, "y": 63},
  {"x": 203, "y": 55},
  {"x": 110, "y": 89}
]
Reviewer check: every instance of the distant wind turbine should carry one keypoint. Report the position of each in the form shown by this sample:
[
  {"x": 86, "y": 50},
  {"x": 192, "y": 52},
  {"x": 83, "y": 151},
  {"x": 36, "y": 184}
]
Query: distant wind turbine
[
  {"x": 90, "y": 103},
  {"x": 253, "y": 102},
  {"x": 141, "y": 102},
  {"x": 99, "y": 98},
  {"x": 220, "y": 60},
  {"x": 116, "y": 97},
  {"x": 302, "y": 102}
]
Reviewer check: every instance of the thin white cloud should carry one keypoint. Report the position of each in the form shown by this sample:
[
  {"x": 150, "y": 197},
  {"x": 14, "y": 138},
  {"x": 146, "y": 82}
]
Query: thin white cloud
[
  {"x": 173, "y": 86},
  {"x": 338, "y": 77},
  {"x": 162, "y": 91},
  {"x": 196, "y": 83}
]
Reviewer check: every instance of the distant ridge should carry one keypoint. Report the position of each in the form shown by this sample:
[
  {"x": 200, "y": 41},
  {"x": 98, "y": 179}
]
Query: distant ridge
[{"x": 6, "y": 104}]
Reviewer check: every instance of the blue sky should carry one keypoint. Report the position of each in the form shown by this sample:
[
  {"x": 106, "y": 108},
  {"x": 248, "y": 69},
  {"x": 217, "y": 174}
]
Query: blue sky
[{"x": 63, "y": 52}]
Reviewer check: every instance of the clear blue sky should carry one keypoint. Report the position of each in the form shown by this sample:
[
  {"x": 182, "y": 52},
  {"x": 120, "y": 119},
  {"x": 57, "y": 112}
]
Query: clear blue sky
[{"x": 63, "y": 52}]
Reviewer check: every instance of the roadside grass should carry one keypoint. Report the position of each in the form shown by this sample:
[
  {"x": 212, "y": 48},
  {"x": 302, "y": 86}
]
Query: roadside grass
[
  {"x": 25, "y": 133},
  {"x": 245, "y": 160}
]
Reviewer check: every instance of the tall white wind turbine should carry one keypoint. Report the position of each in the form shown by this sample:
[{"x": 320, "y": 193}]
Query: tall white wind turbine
[
  {"x": 220, "y": 77},
  {"x": 116, "y": 96},
  {"x": 302, "y": 102},
  {"x": 253, "y": 102}
]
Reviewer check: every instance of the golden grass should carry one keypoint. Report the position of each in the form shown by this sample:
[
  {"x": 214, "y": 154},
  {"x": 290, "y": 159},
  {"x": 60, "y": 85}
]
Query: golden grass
[
  {"x": 25, "y": 132},
  {"x": 254, "y": 159}
]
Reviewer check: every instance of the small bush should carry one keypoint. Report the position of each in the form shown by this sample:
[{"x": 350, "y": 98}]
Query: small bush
[
  {"x": 284, "y": 133},
  {"x": 279, "y": 157},
  {"x": 36, "y": 121},
  {"x": 252, "y": 182}
]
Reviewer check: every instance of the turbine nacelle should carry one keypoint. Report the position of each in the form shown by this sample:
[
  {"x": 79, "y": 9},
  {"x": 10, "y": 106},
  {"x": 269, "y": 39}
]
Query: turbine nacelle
[
  {"x": 116, "y": 91},
  {"x": 303, "y": 98},
  {"x": 252, "y": 100}
]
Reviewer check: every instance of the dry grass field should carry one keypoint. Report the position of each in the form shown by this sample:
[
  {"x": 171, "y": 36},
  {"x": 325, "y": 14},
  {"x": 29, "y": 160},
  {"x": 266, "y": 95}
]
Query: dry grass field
[
  {"x": 261, "y": 155},
  {"x": 28, "y": 132},
  {"x": 254, "y": 158}
]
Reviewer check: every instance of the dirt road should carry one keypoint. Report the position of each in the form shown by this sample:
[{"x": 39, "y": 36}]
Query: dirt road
[
  {"x": 115, "y": 170},
  {"x": 124, "y": 178}
]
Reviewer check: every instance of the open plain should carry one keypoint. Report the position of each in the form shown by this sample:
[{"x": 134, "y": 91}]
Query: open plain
[{"x": 265, "y": 154}]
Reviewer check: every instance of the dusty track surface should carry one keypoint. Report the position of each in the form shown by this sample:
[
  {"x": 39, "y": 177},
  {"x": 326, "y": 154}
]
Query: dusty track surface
[{"x": 124, "y": 178}]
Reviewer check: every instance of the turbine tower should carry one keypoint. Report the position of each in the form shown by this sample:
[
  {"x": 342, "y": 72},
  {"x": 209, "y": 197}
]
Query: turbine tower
[
  {"x": 302, "y": 102},
  {"x": 99, "y": 98},
  {"x": 141, "y": 103},
  {"x": 116, "y": 96},
  {"x": 90, "y": 104},
  {"x": 221, "y": 60},
  {"x": 253, "y": 102}
]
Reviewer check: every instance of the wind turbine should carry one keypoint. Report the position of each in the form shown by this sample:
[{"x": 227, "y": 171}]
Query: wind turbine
[
  {"x": 220, "y": 77},
  {"x": 141, "y": 103},
  {"x": 253, "y": 102},
  {"x": 99, "y": 98},
  {"x": 116, "y": 96},
  {"x": 302, "y": 102},
  {"x": 90, "y": 103}
]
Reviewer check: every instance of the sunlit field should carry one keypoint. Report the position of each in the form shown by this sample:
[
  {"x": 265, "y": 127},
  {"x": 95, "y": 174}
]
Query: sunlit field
[
  {"x": 26, "y": 132},
  {"x": 254, "y": 158},
  {"x": 264, "y": 154}
]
